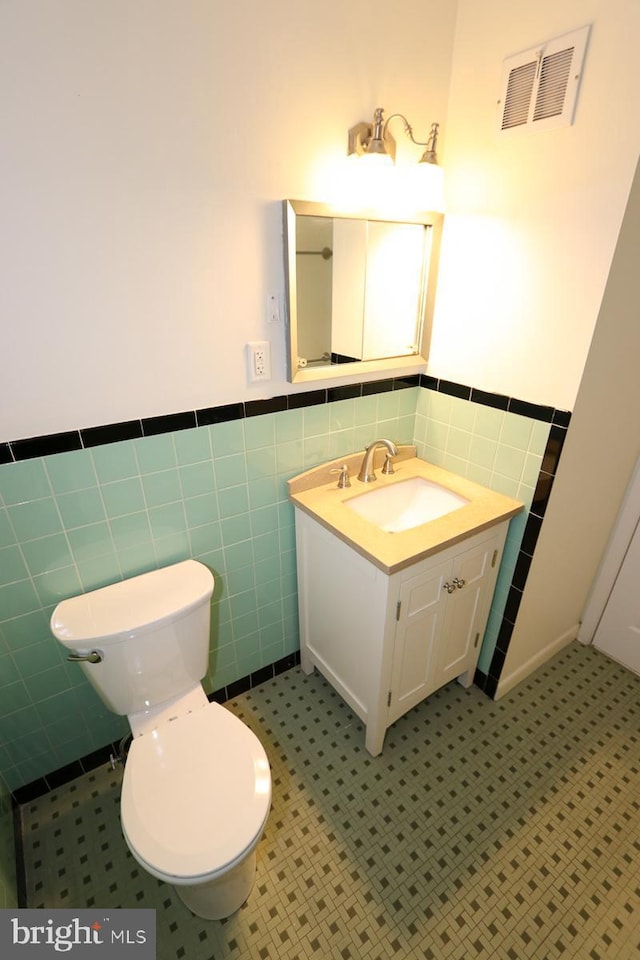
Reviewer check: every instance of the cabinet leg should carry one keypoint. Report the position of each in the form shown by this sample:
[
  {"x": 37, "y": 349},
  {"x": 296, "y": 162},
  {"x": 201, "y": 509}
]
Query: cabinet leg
[
  {"x": 466, "y": 679},
  {"x": 374, "y": 739}
]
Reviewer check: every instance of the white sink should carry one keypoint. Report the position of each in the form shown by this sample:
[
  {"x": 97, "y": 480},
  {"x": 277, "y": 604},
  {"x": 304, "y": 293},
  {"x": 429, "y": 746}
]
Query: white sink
[{"x": 406, "y": 504}]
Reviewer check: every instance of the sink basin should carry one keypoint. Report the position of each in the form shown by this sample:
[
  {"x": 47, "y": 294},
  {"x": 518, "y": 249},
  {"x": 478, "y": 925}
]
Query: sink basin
[{"x": 405, "y": 504}]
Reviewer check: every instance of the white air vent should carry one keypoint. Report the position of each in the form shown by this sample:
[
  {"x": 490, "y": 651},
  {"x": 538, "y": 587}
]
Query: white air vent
[{"x": 540, "y": 85}]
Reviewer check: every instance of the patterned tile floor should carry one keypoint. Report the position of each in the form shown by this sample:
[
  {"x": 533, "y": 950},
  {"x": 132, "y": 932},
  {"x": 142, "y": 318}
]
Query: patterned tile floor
[{"x": 507, "y": 830}]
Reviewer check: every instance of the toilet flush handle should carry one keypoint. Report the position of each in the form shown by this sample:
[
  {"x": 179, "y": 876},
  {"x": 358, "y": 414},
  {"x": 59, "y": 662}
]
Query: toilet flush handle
[{"x": 94, "y": 657}]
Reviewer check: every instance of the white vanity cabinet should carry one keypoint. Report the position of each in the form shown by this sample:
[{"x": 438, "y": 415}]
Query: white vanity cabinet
[{"x": 387, "y": 641}]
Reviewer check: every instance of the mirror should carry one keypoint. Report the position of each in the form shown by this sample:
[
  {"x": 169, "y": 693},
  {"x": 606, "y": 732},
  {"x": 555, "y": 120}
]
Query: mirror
[{"x": 359, "y": 289}]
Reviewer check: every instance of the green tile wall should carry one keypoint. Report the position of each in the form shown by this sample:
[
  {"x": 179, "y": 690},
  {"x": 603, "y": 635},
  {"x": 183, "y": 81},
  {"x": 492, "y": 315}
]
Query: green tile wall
[
  {"x": 498, "y": 449},
  {"x": 77, "y": 521},
  {"x": 80, "y": 520},
  {"x": 8, "y": 885}
]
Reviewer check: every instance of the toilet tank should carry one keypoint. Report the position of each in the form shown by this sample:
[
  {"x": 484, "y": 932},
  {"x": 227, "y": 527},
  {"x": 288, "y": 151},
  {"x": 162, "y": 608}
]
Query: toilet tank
[{"x": 152, "y": 632}]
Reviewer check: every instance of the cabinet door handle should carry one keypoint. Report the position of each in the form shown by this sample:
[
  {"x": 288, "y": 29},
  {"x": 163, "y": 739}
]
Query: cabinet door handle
[
  {"x": 459, "y": 583},
  {"x": 449, "y": 587}
]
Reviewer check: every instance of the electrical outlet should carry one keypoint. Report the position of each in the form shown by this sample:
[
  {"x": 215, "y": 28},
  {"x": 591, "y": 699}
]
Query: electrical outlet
[{"x": 259, "y": 357}]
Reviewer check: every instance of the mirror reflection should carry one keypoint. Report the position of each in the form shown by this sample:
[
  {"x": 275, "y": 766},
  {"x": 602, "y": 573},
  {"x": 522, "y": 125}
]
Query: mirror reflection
[{"x": 358, "y": 288}]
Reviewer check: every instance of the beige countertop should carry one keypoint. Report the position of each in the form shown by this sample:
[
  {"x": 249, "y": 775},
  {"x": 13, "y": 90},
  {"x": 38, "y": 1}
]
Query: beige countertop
[{"x": 317, "y": 494}]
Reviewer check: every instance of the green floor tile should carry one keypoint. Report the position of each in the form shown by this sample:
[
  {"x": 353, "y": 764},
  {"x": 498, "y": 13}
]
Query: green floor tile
[{"x": 506, "y": 829}]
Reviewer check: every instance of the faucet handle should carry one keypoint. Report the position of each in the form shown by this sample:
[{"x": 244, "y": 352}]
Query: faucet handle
[
  {"x": 343, "y": 480},
  {"x": 387, "y": 469}
]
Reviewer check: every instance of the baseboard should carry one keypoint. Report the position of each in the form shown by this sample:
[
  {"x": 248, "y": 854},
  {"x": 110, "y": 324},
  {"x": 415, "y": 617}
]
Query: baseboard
[{"x": 511, "y": 680}]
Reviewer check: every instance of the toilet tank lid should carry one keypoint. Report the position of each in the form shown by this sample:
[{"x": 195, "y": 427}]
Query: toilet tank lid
[{"x": 129, "y": 605}]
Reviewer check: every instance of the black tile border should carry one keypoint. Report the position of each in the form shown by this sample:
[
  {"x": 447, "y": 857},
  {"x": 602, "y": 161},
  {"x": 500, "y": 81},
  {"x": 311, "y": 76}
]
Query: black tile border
[
  {"x": 349, "y": 391},
  {"x": 454, "y": 389},
  {"x": 57, "y": 778},
  {"x": 405, "y": 383},
  {"x": 490, "y": 687},
  {"x": 315, "y": 398},
  {"x": 152, "y": 426},
  {"x": 224, "y": 414},
  {"x": 46, "y": 446},
  {"x": 18, "y": 845},
  {"x": 377, "y": 386},
  {"x": 562, "y": 418},
  {"x": 521, "y": 571},
  {"x": 496, "y": 400},
  {"x": 533, "y": 410},
  {"x": 258, "y": 408},
  {"x": 531, "y": 534},
  {"x": 32, "y": 447},
  {"x": 112, "y": 433}
]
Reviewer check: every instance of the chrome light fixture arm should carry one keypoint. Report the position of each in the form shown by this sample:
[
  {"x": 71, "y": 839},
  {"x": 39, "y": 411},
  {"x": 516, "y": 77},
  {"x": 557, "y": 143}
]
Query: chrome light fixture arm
[
  {"x": 431, "y": 143},
  {"x": 374, "y": 138}
]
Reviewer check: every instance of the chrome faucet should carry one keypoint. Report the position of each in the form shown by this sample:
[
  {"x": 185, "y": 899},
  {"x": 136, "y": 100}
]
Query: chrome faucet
[{"x": 367, "y": 474}]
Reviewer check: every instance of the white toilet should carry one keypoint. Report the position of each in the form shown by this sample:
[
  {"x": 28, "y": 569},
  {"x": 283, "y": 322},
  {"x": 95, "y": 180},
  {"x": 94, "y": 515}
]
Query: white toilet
[{"x": 196, "y": 791}]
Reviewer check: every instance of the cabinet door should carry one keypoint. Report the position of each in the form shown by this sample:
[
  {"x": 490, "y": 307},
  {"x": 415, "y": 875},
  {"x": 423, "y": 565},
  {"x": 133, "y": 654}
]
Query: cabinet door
[
  {"x": 467, "y": 611},
  {"x": 422, "y": 600}
]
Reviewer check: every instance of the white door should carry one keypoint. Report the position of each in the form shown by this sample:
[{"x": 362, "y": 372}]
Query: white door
[{"x": 618, "y": 633}]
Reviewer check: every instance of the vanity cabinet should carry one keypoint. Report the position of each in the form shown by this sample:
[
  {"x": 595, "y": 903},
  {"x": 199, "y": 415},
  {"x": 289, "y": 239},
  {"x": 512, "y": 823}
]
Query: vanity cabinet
[{"x": 384, "y": 641}]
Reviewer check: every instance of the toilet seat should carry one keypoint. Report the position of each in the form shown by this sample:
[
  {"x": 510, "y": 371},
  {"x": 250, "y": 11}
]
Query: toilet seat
[{"x": 196, "y": 794}]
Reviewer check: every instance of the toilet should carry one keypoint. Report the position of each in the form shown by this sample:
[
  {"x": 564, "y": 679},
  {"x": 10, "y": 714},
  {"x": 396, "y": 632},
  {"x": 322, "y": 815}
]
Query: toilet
[{"x": 196, "y": 790}]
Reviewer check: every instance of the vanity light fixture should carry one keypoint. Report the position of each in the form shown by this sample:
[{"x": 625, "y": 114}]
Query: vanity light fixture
[
  {"x": 421, "y": 183},
  {"x": 374, "y": 140}
]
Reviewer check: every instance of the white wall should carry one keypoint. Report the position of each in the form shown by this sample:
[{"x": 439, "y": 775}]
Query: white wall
[
  {"x": 532, "y": 219},
  {"x": 600, "y": 453},
  {"x": 147, "y": 145}
]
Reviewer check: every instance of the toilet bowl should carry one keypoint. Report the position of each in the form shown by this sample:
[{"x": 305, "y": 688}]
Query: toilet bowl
[
  {"x": 196, "y": 790},
  {"x": 196, "y": 794}
]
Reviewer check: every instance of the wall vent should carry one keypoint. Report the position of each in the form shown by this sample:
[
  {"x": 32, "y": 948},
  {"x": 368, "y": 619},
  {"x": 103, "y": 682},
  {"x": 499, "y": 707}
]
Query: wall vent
[{"x": 540, "y": 85}]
